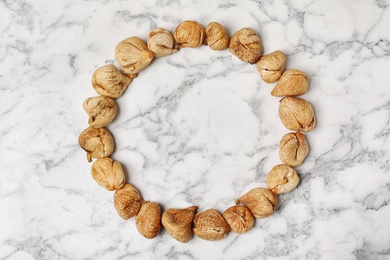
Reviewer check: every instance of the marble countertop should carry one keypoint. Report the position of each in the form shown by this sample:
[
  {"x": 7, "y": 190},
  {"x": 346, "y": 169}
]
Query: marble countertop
[{"x": 196, "y": 128}]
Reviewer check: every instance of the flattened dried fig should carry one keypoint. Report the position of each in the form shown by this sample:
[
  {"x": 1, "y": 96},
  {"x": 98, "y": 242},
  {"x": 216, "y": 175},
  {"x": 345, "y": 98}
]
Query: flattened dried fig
[
  {"x": 210, "y": 225},
  {"x": 293, "y": 149},
  {"x": 239, "y": 218},
  {"x": 246, "y": 45},
  {"x": 261, "y": 202},
  {"x": 109, "y": 81},
  {"x": 282, "y": 179},
  {"x": 97, "y": 142},
  {"x": 127, "y": 201},
  {"x": 271, "y": 66},
  {"x": 101, "y": 111},
  {"x": 108, "y": 173},
  {"x": 148, "y": 220},
  {"x": 189, "y": 34},
  {"x": 133, "y": 55},
  {"x": 178, "y": 223}
]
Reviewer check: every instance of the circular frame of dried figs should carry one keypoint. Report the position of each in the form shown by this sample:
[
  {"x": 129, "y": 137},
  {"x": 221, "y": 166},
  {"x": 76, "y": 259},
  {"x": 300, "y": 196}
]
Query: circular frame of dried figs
[{"x": 133, "y": 55}]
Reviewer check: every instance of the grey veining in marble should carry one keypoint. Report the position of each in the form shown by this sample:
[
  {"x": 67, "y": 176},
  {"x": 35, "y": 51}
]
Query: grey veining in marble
[{"x": 195, "y": 128}]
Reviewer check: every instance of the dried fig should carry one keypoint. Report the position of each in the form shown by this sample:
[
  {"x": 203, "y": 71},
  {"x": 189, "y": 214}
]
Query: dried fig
[
  {"x": 109, "y": 81},
  {"x": 239, "y": 218},
  {"x": 133, "y": 55},
  {"x": 210, "y": 225},
  {"x": 291, "y": 83},
  {"x": 282, "y": 179},
  {"x": 261, "y": 202},
  {"x": 178, "y": 223},
  {"x": 246, "y": 45},
  {"x": 108, "y": 173},
  {"x": 189, "y": 34},
  {"x": 271, "y": 66},
  {"x": 217, "y": 37},
  {"x": 161, "y": 43},
  {"x": 101, "y": 111},
  {"x": 293, "y": 149},
  {"x": 148, "y": 220},
  {"x": 297, "y": 114},
  {"x": 127, "y": 201},
  {"x": 97, "y": 142}
]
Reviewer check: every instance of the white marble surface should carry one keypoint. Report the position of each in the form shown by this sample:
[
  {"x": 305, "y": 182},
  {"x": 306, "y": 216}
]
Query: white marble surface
[{"x": 198, "y": 127}]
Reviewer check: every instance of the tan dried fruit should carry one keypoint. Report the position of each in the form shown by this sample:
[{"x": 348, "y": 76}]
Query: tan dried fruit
[
  {"x": 133, "y": 55},
  {"x": 101, "y": 111},
  {"x": 297, "y": 114},
  {"x": 217, "y": 37},
  {"x": 109, "y": 81},
  {"x": 261, "y": 202},
  {"x": 97, "y": 142},
  {"x": 246, "y": 45},
  {"x": 282, "y": 179},
  {"x": 293, "y": 149},
  {"x": 127, "y": 201},
  {"x": 178, "y": 223},
  {"x": 210, "y": 225},
  {"x": 239, "y": 218},
  {"x": 161, "y": 43},
  {"x": 189, "y": 34},
  {"x": 271, "y": 66},
  {"x": 108, "y": 173},
  {"x": 148, "y": 220},
  {"x": 291, "y": 83}
]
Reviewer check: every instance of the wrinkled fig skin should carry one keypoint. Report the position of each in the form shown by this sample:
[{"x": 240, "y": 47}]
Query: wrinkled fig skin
[
  {"x": 293, "y": 149},
  {"x": 297, "y": 114},
  {"x": 127, "y": 201},
  {"x": 261, "y": 202},
  {"x": 239, "y": 218},
  {"x": 148, "y": 220},
  {"x": 178, "y": 223},
  {"x": 291, "y": 83},
  {"x": 217, "y": 37},
  {"x": 282, "y": 179},
  {"x": 101, "y": 111},
  {"x": 108, "y": 173},
  {"x": 246, "y": 45},
  {"x": 271, "y": 66},
  {"x": 110, "y": 82},
  {"x": 161, "y": 43},
  {"x": 189, "y": 34},
  {"x": 210, "y": 225},
  {"x": 133, "y": 55},
  {"x": 97, "y": 142}
]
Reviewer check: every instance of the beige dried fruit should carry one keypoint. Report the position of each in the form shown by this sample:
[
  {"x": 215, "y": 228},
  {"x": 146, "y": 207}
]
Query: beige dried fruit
[
  {"x": 178, "y": 223},
  {"x": 108, "y": 173},
  {"x": 127, "y": 201},
  {"x": 217, "y": 37},
  {"x": 282, "y": 179},
  {"x": 189, "y": 34},
  {"x": 297, "y": 114},
  {"x": 101, "y": 111},
  {"x": 97, "y": 142},
  {"x": 109, "y": 81},
  {"x": 133, "y": 55},
  {"x": 261, "y": 202},
  {"x": 271, "y": 66},
  {"x": 161, "y": 43},
  {"x": 239, "y": 218},
  {"x": 246, "y": 45},
  {"x": 293, "y": 149},
  {"x": 291, "y": 83},
  {"x": 210, "y": 225},
  {"x": 148, "y": 220}
]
